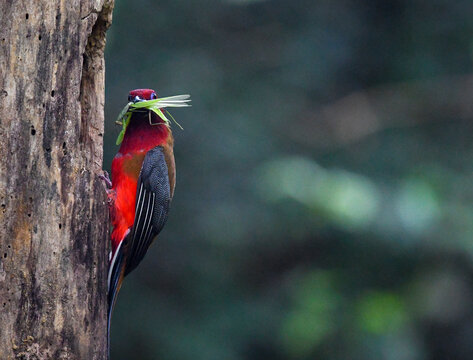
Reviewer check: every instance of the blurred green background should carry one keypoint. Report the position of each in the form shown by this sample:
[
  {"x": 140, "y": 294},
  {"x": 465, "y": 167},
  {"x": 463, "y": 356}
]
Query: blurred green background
[{"x": 324, "y": 207}]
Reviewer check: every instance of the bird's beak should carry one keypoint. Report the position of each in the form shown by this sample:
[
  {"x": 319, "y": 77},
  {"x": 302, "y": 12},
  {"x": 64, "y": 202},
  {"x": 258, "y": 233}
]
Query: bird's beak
[{"x": 137, "y": 99}]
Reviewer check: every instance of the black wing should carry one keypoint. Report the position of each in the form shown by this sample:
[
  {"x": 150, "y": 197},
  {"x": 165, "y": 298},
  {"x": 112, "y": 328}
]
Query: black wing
[{"x": 153, "y": 199}]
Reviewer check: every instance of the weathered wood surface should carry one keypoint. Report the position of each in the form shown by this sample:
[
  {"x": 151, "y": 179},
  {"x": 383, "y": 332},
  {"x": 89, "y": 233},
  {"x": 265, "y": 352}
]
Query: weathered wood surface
[{"x": 53, "y": 216}]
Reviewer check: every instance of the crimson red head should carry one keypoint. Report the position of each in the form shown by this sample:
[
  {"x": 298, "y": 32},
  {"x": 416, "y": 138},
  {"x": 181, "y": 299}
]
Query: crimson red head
[{"x": 142, "y": 94}]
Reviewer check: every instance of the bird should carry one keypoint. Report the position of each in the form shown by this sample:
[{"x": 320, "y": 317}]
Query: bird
[{"x": 142, "y": 185}]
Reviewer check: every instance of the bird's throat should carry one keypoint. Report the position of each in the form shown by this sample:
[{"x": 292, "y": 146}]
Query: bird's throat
[{"x": 140, "y": 135}]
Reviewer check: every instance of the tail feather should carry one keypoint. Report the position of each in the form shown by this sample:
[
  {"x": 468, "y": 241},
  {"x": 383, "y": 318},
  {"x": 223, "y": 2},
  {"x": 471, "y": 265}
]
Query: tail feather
[{"x": 116, "y": 273}]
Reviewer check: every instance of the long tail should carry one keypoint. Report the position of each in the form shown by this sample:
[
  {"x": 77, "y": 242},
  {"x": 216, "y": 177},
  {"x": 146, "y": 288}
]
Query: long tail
[{"x": 116, "y": 273}]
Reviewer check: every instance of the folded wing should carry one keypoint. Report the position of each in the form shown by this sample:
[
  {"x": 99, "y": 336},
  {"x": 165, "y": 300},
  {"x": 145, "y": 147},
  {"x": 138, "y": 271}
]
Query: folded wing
[{"x": 153, "y": 199}]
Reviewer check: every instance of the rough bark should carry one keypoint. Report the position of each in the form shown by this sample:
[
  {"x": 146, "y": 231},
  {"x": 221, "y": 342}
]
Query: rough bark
[{"x": 53, "y": 237}]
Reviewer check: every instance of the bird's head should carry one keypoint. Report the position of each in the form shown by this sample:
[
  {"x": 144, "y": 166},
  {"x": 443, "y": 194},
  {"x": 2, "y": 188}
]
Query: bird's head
[
  {"x": 138, "y": 95},
  {"x": 146, "y": 101}
]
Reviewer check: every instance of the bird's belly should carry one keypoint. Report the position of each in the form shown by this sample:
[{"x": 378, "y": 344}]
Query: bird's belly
[{"x": 125, "y": 173}]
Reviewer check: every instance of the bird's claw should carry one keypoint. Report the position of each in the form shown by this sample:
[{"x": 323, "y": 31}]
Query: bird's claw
[
  {"x": 106, "y": 179},
  {"x": 111, "y": 194}
]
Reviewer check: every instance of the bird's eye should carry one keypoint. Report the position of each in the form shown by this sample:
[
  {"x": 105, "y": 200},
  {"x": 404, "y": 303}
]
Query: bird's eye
[
  {"x": 130, "y": 97},
  {"x": 153, "y": 96}
]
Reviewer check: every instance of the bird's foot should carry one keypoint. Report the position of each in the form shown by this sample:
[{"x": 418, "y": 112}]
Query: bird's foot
[
  {"x": 111, "y": 194},
  {"x": 106, "y": 179}
]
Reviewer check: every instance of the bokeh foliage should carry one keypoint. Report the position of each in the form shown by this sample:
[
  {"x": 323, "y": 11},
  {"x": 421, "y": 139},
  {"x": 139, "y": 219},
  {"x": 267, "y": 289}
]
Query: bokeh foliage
[{"x": 324, "y": 199}]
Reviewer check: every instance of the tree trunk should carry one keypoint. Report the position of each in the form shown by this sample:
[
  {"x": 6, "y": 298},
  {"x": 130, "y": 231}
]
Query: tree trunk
[{"x": 53, "y": 215}]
